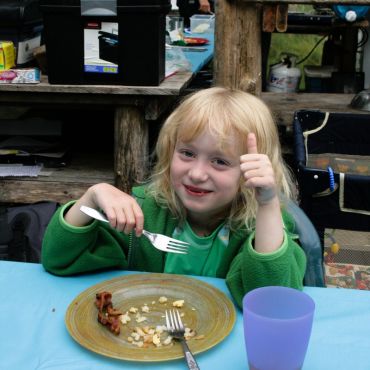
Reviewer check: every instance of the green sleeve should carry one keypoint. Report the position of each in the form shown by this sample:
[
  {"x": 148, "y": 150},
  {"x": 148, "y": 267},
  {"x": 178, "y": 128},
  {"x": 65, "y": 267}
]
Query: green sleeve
[
  {"x": 250, "y": 269},
  {"x": 69, "y": 250}
]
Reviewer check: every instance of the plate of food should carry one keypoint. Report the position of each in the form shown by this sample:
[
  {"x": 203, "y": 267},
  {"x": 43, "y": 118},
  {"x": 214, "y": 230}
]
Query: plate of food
[{"x": 124, "y": 318}]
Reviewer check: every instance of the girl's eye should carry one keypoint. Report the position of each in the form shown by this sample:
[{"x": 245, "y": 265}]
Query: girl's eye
[
  {"x": 187, "y": 153},
  {"x": 220, "y": 162}
]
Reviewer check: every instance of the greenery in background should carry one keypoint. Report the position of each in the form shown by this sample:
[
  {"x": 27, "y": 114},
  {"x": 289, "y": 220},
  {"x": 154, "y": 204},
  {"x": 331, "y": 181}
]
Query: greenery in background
[{"x": 297, "y": 44}]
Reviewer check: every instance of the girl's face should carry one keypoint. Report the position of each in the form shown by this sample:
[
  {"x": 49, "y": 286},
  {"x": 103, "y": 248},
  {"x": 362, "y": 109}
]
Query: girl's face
[{"x": 205, "y": 178}]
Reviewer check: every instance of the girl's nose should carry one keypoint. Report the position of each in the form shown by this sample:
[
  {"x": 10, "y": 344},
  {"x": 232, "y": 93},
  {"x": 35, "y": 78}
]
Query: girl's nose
[{"x": 198, "y": 172}]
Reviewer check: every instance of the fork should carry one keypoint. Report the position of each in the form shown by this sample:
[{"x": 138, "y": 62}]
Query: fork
[
  {"x": 176, "y": 328},
  {"x": 159, "y": 241}
]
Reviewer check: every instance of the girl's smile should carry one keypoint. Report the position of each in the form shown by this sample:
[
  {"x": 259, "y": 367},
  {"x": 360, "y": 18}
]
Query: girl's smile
[
  {"x": 205, "y": 178},
  {"x": 197, "y": 192}
]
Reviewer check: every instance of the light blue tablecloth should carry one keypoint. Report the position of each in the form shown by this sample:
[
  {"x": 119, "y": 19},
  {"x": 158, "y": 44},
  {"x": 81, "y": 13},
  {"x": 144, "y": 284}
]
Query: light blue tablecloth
[
  {"x": 199, "y": 59},
  {"x": 33, "y": 334}
]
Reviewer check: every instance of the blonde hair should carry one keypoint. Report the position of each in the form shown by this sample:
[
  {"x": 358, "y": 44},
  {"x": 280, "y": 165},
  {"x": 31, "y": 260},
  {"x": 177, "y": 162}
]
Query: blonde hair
[{"x": 222, "y": 112}]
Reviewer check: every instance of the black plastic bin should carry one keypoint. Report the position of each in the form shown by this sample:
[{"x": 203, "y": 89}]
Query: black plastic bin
[
  {"x": 332, "y": 154},
  {"x": 134, "y": 53},
  {"x": 21, "y": 23}
]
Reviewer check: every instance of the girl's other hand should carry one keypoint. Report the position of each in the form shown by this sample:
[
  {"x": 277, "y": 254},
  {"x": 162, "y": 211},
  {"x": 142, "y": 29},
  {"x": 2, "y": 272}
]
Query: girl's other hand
[{"x": 258, "y": 172}]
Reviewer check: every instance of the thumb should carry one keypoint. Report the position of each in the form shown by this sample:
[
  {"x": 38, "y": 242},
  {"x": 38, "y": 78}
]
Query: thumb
[{"x": 252, "y": 144}]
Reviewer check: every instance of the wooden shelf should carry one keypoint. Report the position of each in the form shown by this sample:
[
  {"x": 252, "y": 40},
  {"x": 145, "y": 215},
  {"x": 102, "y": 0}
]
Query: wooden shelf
[
  {"x": 62, "y": 184},
  {"x": 284, "y": 105}
]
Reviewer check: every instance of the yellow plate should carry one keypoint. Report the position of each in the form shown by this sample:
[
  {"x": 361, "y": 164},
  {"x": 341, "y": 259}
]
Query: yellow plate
[{"x": 206, "y": 310}]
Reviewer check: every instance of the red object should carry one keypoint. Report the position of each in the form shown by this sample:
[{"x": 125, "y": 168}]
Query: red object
[
  {"x": 194, "y": 41},
  {"x": 8, "y": 75}
]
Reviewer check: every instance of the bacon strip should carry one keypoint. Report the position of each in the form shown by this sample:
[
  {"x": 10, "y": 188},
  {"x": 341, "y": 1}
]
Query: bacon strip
[{"x": 107, "y": 315}]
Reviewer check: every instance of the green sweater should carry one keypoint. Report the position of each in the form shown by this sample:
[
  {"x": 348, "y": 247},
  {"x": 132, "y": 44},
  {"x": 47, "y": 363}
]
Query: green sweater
[{"x": 69, "y": 250}]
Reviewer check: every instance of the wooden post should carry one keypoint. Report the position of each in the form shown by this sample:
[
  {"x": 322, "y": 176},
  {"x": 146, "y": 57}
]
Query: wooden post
[
  {"x": 237, "y": 61},
  {"x": 131, "y": 147}
]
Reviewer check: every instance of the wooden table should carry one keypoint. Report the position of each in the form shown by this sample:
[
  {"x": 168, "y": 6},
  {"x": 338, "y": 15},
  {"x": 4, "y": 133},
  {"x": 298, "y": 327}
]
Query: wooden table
[{"x": 134, "y": 108}]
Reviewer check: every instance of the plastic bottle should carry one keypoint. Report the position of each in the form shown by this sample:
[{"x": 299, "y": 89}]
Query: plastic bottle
[
  {"x": 351, "y": 13},
  {"x": 284, "y": 77}
]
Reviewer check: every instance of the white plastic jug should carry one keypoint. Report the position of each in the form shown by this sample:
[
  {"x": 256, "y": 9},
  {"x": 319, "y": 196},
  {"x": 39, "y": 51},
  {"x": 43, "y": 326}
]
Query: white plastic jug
[{"x": 284, "y": 76}]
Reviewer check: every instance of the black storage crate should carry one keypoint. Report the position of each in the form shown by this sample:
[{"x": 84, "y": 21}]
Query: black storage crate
[
  {"x": 21, "y": 22},
  {"x": 134, "y": 53},
  {"x": 337, "y": 143}
]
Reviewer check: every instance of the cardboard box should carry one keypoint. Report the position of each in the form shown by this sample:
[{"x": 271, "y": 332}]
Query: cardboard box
[
  {"x": 20, "y": 76},
  {"x": 7, "y": 55}
]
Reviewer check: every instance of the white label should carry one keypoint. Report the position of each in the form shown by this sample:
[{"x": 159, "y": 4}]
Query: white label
[
  {"x": 25, "y": 49},
  {"x": 101, "y": 47}
]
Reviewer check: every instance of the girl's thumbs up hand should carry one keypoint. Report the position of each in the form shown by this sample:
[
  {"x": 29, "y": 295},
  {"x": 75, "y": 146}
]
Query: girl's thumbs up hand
[{"x": 257, "y": 171}]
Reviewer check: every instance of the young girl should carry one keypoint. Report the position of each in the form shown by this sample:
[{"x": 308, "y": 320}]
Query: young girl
[{"x": 216, "y": 184}]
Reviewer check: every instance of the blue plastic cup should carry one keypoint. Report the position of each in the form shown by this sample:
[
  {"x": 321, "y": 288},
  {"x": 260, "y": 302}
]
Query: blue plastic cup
[{"x": 277, "y": 327}]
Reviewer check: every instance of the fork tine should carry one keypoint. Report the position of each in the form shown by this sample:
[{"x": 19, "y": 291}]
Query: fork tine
[
  {"x": 173, "y": 321},
  {"x": 172, "y": 250},
  {"x": 168, "y": 324},
  {"x": 178, "y": 322},
  {"x": 178, "y": 247},
  {"x": 178, "y": 242}
]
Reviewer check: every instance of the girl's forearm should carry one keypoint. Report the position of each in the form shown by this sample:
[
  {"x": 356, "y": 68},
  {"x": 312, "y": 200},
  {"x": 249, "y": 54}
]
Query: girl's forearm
[
  {"x": 269, "y": 227},
  {"x": 77, "y": 218}
]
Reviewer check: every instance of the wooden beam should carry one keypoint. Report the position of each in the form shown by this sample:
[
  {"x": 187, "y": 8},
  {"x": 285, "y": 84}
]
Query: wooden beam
[
  {"x": 237, "y": 61},
  {"x": 131, "y": 142}
]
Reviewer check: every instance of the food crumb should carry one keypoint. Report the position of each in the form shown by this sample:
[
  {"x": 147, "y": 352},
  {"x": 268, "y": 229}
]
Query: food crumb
[
  {"x": 178, "y": 303},
  {"x": 162, "y": 299}
]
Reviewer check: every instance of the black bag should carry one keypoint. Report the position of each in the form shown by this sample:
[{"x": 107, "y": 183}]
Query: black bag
[
  {"x": 337, "y": 142},
  {"x": 22, "y": 229}
]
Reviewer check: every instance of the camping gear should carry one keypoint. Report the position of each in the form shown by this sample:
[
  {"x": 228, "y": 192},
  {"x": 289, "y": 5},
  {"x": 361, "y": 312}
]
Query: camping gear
[
  {"x": 332, "y": 155},
  {"x": 284, "y": 76}
]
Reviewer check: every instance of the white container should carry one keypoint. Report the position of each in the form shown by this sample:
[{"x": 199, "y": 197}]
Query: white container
[
  {"x": 318, "y": 78},
  {"x": 284, "y": 77},
  {"x": 202, "y": 23}
]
